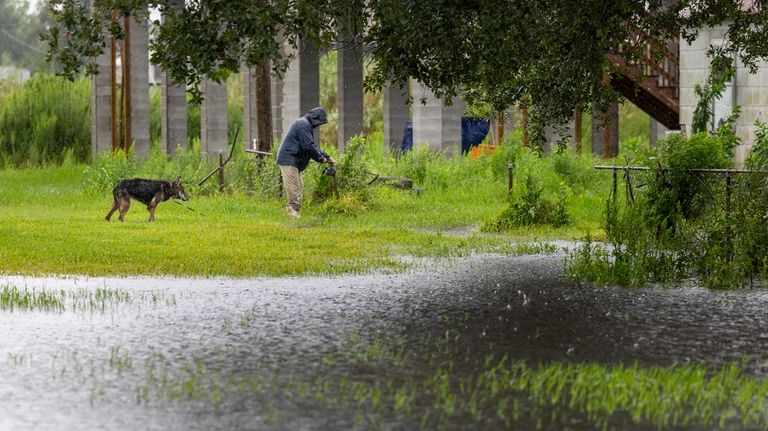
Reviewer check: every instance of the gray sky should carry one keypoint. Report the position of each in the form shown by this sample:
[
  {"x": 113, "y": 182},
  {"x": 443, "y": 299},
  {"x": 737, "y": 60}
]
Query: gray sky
[{"x": 33, "y": 5}]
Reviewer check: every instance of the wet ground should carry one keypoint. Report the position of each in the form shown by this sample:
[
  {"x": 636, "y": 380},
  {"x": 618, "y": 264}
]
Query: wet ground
[{"x": 314, "y": 352}]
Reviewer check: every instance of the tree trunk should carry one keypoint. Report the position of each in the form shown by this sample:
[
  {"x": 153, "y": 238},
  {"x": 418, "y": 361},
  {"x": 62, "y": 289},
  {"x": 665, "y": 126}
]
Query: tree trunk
[{"x": 264, "y": 105}]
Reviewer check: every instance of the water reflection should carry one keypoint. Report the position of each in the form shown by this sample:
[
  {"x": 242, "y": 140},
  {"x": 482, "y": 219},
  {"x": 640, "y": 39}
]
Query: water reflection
[{"x": 396, "y": 351}]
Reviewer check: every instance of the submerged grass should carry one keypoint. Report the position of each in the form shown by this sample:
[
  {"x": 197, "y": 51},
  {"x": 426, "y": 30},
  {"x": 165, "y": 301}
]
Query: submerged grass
[
  {"x": 423, "y": 392},
  {"x": 13, "y": 298},
  {"x": 99, "y": 300}
]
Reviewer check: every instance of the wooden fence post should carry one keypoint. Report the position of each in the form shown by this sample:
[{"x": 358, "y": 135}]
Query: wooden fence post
[{"x": 221, "y": 172}]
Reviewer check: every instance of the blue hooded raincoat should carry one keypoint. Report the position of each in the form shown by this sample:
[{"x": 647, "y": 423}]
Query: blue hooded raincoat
[{"x": 299, "y": 146}]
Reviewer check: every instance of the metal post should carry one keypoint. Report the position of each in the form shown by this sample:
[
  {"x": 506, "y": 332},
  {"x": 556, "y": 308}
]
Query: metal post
[
  {"x": 615, "y": 182},
  {"x": 728, "y": 181},
  {"x": 510, "y": 169},
  {"x": 628, "y": 179},
  {"x": 221, "y": 172}
]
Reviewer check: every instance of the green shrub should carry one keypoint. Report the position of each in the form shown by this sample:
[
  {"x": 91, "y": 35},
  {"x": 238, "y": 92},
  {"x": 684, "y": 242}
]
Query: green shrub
[
  {"x": 576, "y": 171},
  {"x": 530, "y": 209},
  {"x": 681, "y": 224},
  {"x": 675, "y": 189},
  {"x": 107, "y": 170},
  {"x": 413, "y": 164},
  {"x": 352, "y": 173},
  {"x": 44, "y": 119}
]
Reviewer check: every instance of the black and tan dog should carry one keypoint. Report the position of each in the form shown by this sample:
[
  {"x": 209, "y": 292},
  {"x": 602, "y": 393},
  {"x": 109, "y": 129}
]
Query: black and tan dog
[{"x": 148, "y": 192}]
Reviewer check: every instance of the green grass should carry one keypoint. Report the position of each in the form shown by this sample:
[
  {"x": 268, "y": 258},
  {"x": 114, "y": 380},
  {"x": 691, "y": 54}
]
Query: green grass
[{"x": 52, "y": 222}]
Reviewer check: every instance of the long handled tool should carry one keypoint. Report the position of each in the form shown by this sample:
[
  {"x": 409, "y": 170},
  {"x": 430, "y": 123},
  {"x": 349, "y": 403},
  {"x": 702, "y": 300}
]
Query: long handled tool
[{"x": 331, "y": 172}]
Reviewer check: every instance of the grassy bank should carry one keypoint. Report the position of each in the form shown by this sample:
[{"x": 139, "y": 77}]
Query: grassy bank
[{"x": 52, "y": 222}]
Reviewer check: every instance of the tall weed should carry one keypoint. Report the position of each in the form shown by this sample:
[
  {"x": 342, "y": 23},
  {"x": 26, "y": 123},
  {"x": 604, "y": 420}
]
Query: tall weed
[
  {"x": 43, "y": 119},
  {"x": 683, "y": 223}
]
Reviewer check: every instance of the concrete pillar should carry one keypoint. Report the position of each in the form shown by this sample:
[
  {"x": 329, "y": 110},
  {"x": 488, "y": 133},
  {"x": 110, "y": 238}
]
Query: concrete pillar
[
  {"x": 101, "y": 102},
  {"x": 350, "y": 91},
  {"x": 396, "y": 113},
  {"x": 140, "y": 86},
  {"x": 599, "y": 132},
  {"x": 250, "y": 126},
  {"x": 301, "y": 85},
  {"x": 277, "y": 108},
  {"x": 276, "y": 95},
  {"x": 213, "y": 118},
  {"x": 436, "y": 123},
  {"x": 173, "y": 114},
  {"x": 657, "y": 131},
  {"x": 509, "y": 121}
]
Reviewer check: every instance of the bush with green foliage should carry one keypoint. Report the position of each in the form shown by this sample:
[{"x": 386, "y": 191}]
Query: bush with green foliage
[
  {"x": 352, "y": 178},
  {"x": 46, "y": 121},
  {"x": 686, "y": 224},
  {"x": 529, "y": 209},
  {"x": 674, "y": 190}
]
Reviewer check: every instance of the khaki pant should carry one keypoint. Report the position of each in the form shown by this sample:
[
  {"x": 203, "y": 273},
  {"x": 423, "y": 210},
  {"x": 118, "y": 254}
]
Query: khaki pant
[{"x": 294, "y": 188}]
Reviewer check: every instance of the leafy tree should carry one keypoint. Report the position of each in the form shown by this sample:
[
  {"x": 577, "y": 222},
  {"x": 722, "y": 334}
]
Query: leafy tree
[{"x": 548, "y": 53}]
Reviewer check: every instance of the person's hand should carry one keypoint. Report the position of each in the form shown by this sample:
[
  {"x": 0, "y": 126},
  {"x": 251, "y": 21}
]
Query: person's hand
[{"x": 330, "y": 160}]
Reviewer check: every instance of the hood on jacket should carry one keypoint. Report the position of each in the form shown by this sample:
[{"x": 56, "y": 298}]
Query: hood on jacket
[{"x": 316, "y": 116}]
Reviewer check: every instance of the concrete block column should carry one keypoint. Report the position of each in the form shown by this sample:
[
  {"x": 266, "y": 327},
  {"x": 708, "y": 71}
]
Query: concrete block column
[
  {"x": 600, "y": 130},
  {"x": 277, "y": 85},
  {"x": 657, "y": 131},
  {"x": 435, "y": 122},
  {"x": 301, "y": 85},
  {"x": 173, "y": 115},
  {"x": 139, "y": 53},
  {"x": 173, "y": 110},
  {"x": 250, "y": 124},
  {"x": 276, "y": 95},
  {"x": 101, "y": 102},
  {"x": 213, "y": 118},
  {"x": 350, "y": 92},
  {"x": 396, "y": 113}
]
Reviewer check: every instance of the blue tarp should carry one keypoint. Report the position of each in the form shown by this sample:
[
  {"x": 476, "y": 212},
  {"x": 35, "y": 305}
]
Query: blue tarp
[
  {"x": 407, "y": 137},
  {"x": 473, "y": 131}
]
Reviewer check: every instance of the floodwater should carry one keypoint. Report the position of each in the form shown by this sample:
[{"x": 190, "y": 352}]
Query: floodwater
[{"x": 313, "y": 352}]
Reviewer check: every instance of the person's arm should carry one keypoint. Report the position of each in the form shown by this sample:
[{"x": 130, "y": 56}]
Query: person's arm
[{"x": 307, "y": 142}]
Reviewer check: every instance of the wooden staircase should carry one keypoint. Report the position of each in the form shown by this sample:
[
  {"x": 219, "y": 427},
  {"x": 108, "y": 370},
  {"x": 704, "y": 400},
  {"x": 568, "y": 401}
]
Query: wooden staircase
[{"x": 648, "y": 75}]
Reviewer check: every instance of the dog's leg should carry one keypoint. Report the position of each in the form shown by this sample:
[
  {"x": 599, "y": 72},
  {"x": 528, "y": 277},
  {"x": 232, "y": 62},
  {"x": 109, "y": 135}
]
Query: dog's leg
[
  {"x": 113, "y": 209},
  {"x": 125, "y": 204},
  {"x": 153, "y": 204}
]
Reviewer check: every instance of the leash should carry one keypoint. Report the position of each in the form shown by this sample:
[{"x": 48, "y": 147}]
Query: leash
[{"x": 184, "y": 206}]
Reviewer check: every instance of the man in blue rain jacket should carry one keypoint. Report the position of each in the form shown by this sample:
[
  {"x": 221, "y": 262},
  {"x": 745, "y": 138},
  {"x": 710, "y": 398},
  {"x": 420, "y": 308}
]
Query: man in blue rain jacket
[{"x": 297, "y": 148}]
